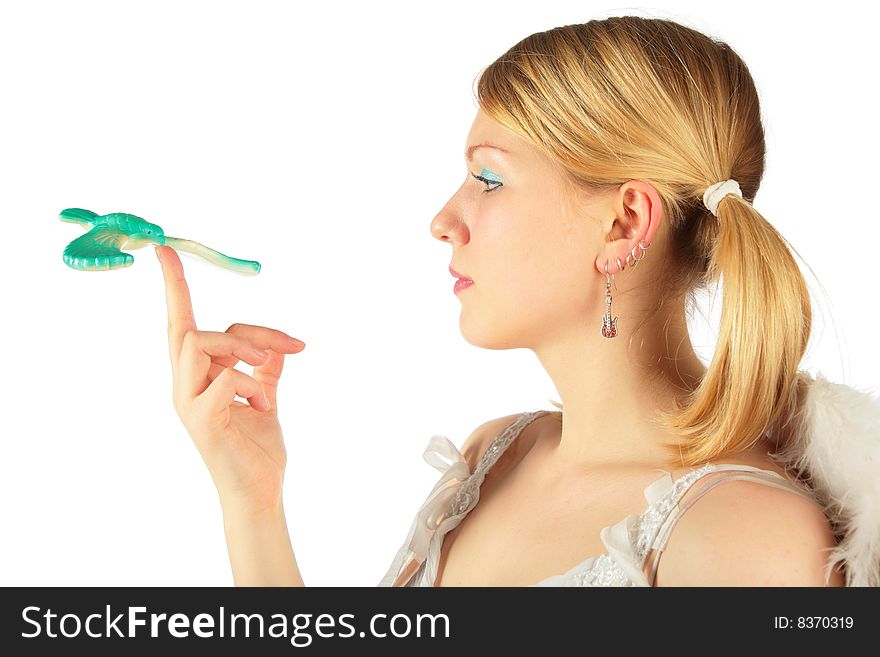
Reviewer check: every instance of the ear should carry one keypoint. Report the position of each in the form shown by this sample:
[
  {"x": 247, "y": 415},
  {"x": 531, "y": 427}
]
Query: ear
[{"x": 637, "y": 213}]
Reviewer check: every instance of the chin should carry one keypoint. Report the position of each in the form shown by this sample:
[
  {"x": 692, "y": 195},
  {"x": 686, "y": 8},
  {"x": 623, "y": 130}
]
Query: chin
[{"x": 490, "y": 335}]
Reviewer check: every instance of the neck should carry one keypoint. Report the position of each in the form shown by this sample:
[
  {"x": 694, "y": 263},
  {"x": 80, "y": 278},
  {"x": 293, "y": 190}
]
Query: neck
[{"x": 612, "y": 388}]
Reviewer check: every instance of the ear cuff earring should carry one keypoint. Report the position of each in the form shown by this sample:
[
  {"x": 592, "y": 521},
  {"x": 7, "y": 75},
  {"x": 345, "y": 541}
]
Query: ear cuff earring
[{"x": 609, "y": 324}]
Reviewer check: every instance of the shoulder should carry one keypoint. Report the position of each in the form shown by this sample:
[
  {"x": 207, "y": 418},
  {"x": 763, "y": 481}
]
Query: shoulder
[
  {"x": 743, "y": 533},
  {"x": 478, "y": 442}
]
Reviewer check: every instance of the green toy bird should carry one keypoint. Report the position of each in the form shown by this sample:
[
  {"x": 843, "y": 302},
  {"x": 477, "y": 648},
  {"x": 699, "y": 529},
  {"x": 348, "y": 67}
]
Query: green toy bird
[{"x": 101, "y": 247}]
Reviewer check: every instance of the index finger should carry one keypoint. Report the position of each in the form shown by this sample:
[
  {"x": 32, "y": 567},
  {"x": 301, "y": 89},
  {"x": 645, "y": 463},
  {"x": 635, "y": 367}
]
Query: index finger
[{"x": 180, "y": 313}]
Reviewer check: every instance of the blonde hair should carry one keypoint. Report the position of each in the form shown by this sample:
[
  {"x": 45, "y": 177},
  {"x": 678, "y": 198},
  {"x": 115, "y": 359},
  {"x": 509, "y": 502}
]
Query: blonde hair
[{"x": 645, "y": 98}]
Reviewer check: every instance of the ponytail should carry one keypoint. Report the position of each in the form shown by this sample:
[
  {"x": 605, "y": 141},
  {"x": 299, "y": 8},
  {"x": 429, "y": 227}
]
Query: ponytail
[{"x": 750, "y": 387}]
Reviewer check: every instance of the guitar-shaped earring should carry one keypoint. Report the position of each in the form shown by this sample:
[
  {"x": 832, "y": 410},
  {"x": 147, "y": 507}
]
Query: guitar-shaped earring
[{"x": 609, "y": 325}]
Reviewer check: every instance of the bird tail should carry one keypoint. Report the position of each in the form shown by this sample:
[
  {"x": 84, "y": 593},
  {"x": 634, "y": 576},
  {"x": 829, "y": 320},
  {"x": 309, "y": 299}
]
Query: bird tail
[{"x": 78, "y": 216}]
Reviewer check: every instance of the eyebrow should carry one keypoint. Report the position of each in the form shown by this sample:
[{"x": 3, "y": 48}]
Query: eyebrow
[{"x": 470, "y": 151}]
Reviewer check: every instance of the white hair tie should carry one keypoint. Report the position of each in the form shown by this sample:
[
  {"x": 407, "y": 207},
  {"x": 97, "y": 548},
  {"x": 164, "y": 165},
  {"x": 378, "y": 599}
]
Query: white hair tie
[{"x": 713, "y": 195}]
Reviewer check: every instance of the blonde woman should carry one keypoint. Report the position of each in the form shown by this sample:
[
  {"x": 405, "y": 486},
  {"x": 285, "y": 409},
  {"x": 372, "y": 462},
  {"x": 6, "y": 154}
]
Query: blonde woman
[{"x": 611, "y": 168}]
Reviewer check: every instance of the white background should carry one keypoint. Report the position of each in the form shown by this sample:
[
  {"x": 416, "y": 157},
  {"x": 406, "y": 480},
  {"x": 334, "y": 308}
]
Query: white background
[{"x": 321, "y": 139}]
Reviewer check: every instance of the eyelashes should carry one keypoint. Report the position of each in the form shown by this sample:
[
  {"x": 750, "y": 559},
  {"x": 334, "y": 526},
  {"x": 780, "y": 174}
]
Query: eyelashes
[{"x": 488, "y": 182}]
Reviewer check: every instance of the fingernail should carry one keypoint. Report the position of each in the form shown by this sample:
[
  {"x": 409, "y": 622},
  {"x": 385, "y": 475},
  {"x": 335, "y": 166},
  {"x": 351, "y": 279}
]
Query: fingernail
[
  {"x": 297, "y": 343},
  {"x": 266, "y": 397},
  {"x": 156, "y": 251},
  {"x": 259, "y": 353}
]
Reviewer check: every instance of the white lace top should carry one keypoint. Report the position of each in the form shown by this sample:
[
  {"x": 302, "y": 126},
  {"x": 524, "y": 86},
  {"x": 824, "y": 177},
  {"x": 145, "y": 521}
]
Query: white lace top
[{"x": 628, "y": 543}]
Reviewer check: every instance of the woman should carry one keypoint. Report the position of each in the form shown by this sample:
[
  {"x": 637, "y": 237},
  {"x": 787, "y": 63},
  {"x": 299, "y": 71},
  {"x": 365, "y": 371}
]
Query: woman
[{"x": 593, "y": 144}]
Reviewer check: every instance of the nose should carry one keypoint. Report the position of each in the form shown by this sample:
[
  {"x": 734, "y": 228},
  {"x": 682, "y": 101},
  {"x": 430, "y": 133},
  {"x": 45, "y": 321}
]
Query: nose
[{"x": 448, "y": 224}]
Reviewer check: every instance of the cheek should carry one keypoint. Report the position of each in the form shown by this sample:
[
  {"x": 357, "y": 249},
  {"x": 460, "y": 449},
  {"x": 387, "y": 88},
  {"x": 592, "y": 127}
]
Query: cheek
[
  {"x": 511, "y": 237},
  {"x": 553, "y": 295},
  {"x": 567, "y": 289},
  {"x": 536, "y": 276},
  {"x": 528, "y": 263}
]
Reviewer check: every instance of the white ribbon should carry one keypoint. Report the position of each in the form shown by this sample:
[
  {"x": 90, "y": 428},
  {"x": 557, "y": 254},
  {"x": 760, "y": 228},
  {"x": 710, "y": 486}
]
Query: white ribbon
[
  {"x": 713, "y": 195},
  {"x": 434, "y": 515}
]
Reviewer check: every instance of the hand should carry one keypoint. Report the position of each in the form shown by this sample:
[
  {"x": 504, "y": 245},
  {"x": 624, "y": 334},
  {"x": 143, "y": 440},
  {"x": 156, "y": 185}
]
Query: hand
[{"x": 241, "y": 444}]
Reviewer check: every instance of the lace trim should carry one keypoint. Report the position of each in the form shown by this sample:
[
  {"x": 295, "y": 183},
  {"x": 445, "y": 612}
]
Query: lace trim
[
  {"x": 466, "y": 494},
  {"x": 645, "y": 529},
  {"x": 604, "y": 571}
]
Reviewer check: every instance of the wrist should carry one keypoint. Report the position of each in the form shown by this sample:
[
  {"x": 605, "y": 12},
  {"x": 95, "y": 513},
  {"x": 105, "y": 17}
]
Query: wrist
[
  {"x": 241, "y": 511},
  {"x": 259, "y": 546}
]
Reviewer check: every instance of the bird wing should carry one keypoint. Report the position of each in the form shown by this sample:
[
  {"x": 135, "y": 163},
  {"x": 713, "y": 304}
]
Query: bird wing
[{"x": 98, "y": 249}]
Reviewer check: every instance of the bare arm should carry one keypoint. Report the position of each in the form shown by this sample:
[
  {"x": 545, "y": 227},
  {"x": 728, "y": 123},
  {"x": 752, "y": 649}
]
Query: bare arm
[{"x": 259, "y": 547}]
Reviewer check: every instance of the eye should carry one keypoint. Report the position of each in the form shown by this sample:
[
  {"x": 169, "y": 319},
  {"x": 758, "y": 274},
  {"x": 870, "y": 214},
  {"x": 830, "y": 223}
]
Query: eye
[{"x": 488, "y": 183}]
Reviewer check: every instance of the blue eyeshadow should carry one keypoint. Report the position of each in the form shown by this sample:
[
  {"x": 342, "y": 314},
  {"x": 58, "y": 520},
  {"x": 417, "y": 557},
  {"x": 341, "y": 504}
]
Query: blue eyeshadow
[{"x": 490, "y": 175}]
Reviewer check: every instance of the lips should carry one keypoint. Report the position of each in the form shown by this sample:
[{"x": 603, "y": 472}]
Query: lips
[{"x": 461, "y": 276}]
